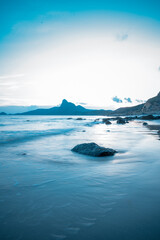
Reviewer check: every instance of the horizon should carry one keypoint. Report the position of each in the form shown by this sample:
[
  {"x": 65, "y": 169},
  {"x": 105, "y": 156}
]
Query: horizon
[
  {"x": 12, "y": 109},
  {"x": 99, "y": 55}
]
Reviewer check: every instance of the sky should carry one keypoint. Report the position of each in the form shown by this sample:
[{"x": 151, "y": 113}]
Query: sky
[{"x": 100, "y": 54}]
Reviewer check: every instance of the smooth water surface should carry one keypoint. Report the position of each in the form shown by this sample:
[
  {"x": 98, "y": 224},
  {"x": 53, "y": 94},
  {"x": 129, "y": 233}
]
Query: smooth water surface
[{"x": 49, "y": 192}]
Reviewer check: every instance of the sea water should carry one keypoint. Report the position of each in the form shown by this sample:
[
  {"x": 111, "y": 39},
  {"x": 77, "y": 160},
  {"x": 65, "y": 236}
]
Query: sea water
[{"x": 49, "y": 192}]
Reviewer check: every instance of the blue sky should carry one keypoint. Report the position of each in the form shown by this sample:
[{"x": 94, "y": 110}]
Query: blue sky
[
  {"x": 13, "y": 12},
  {"x": 77, "y": 50}
]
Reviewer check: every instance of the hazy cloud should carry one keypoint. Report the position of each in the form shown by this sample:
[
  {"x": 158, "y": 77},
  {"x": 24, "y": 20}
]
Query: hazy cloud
[
  {"x": 81, "y": 103},
  {"x": 122, "y": 36},
  {"x": 11, "y": 76},
  {"x": 116, "y": 99},
  {"x": 128, "y": 100},
  {"x": 140, "y": 101}
]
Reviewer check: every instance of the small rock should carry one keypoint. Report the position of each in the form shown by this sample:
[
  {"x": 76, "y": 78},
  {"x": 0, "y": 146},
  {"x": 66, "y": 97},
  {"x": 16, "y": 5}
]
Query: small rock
[
  {"x": 92, "y": 149},
  {"x": 96, "y": 120},
  {"x": 121, "y": 121},
  {"x": 106, "y": 121},
  {"x": 80, "y": 118},
  {"x": 145, "y": 124},
  {"x": 148, "y": 117},
  {"x": 159, "y": 132}
]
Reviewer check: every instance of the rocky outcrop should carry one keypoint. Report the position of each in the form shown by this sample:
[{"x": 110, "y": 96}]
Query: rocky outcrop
[
  {"x": 145, "y": 124},
  {"x": 152, "y": 106},
  {"x": 136, "y": 110},
  {"x": 149, "y": 117},
  {"x": 92, "y": 149},
  {"x": 80, "y": 119},
  {"x": 121, "y": 121},
  {"x": 106, "y": 121}
]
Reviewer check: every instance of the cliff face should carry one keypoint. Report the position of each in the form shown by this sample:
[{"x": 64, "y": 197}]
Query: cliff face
[
  {"x": 136, "y": 110},
  {"x": 152, "y": 106}
]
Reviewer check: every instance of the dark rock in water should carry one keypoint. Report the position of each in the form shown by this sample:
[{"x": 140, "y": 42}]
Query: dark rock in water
[
  {"x": 130, "y": 118},
  {"x": 80, "y": 118},
  {"x": 92, "y": 149},
  {"x": 121, "y": 121},
  {"x": 145, "y": 124},
  {"x": 69, "y": 118},
  {"x": 148, "y": 117},
  {"x": 24, "y": 154},
  {"x": 96, "y": 120},
  {"x": 159, "y": 132},
  {"x": 106, "y": 121}
]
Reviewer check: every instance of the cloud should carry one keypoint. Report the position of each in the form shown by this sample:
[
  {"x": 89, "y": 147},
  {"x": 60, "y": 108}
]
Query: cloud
[
  {"x": 11, "y": 76},
  {"x": 128, "y": 100},
  {"x": 81, "y": 103},
  {"x": 140, "y": 101},
  {"x": 122, "y": 37},
  {"x": 116, "y": 99}
]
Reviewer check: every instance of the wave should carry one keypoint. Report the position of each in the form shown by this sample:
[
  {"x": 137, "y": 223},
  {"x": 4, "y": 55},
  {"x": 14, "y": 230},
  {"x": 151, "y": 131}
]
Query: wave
[{"x": 27, "y": 135}]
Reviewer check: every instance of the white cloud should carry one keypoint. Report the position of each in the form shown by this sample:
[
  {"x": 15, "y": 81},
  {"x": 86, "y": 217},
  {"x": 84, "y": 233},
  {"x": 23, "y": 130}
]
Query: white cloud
[
  {"x": 2, "y": 77},
  {"x": 82, "y": 63}
]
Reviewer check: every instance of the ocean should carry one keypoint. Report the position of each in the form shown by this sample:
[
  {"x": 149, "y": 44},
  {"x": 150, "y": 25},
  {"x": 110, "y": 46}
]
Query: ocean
[{"x": 49, "y": 192}]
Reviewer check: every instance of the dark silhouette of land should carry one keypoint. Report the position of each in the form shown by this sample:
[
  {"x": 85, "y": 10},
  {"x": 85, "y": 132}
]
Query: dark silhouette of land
[
  {"x": 152, "y": 106},
  {"x": 67, "y": 108}
]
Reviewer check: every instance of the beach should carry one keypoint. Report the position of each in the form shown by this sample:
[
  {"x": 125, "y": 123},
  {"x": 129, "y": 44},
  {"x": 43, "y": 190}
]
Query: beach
[{"x": 49, "y": 192}]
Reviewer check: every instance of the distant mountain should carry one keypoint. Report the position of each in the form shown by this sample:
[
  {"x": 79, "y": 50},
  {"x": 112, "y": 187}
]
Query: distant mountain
[
  {"x": 136, "y": 110},
  {"x": 152, "y": 106},
  {"x": 67, "y": 108},
  {"x": 17, "y": 109},
  {"x": 3, "y": 113}
]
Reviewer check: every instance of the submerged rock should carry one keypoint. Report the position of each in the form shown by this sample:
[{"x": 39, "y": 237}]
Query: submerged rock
[
  {"x": 80, "y": 119},
  {"x": 159, "y": 132},
  {"x": 96, "y": 120},
  {"x": 121, "y": 121},
  {"x": 145, "y": 124},
  {"x": 106, "y": 121},
  {"x": 148, "y": 117},
  {"x": 92, "y": 149}
]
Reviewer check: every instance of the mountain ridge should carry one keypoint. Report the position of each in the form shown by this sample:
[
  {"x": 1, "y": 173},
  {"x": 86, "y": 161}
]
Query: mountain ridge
[
  {"x": 152, "y": 106},
  {"x": 67, "y": 108}
]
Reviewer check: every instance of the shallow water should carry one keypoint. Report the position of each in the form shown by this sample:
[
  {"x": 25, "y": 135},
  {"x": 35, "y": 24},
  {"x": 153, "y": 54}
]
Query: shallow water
[{"x": 49, "y": 192}]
